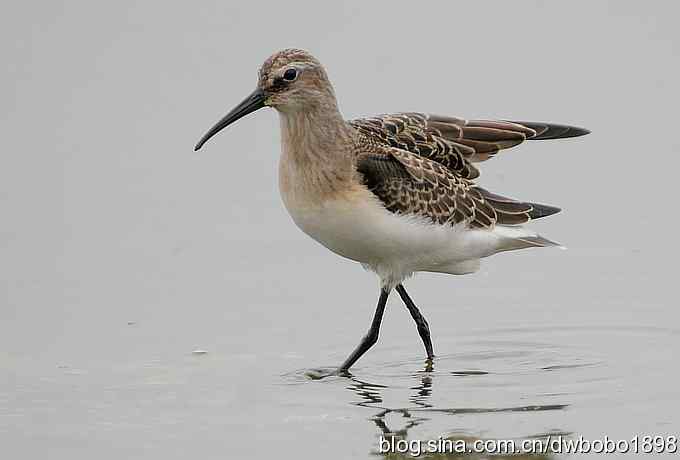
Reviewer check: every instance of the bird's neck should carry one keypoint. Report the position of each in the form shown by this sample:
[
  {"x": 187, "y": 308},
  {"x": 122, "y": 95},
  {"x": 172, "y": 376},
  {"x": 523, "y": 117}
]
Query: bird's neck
[{"x": 316, "y": 152}]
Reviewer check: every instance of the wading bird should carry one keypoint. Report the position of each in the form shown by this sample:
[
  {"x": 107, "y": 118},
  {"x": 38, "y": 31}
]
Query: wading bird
[{"x": 394, "y": 192}]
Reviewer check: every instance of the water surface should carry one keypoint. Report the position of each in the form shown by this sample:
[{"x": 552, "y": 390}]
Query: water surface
[{"x": 158, "y": 303}]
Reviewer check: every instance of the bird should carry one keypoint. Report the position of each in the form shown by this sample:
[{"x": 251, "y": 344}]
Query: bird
[{"x": 396, "y": 192}]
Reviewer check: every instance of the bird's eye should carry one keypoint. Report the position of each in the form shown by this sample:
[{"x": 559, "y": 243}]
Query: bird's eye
[{"x": 290, "y": 75}]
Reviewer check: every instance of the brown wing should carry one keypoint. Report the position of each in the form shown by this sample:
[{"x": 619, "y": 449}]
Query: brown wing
[
  {"x": 411, "y": 184},
  {"x": 454, "y": 142}
]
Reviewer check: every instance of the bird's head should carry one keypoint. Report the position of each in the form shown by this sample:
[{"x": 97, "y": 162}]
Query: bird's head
[{"x": 290, "y": 80}]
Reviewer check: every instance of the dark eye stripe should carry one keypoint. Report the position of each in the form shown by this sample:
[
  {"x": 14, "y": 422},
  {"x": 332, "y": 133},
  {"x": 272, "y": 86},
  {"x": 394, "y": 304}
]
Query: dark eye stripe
[{"x": 278, "y": 84}]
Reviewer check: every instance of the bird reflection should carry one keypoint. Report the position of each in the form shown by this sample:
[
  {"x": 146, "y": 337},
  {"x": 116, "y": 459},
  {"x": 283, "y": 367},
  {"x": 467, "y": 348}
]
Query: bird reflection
[
  {"x": 424, "y": 389},
  {"x": 371, "y": 396}
]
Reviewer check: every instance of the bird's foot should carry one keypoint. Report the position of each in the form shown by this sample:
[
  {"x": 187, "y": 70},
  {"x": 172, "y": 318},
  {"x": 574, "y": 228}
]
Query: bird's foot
[{"x": 322, "y": 373}]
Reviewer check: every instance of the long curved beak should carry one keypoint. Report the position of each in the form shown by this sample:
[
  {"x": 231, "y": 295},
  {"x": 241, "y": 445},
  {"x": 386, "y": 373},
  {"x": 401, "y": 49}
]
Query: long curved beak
[{"x": 250, "y": 104}]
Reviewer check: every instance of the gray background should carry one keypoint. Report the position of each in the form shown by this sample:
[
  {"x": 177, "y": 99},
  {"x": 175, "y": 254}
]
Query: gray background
[{"x": 121, "y": 250}]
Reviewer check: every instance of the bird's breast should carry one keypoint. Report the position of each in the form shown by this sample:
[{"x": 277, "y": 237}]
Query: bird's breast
[
  {"x": 326, "y": 213},
  {"x": 355, "y": 224}
]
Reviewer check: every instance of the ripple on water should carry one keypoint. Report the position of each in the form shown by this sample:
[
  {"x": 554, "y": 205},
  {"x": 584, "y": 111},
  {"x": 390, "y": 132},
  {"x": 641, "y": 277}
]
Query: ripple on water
[
  {"x": 503, "y": 383},
  {"x": 507, "y": 383}
]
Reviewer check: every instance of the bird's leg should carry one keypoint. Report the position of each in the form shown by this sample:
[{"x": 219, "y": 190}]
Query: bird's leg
[
  {"x": 421, "y": 322},
  {"x": 371, "y": 337}
]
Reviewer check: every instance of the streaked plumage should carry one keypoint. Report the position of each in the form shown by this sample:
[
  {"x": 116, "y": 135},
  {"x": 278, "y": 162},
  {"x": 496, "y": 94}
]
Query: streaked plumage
[
  {"x": 395, "y": 192},
  {"x": 436, "y": 181}
]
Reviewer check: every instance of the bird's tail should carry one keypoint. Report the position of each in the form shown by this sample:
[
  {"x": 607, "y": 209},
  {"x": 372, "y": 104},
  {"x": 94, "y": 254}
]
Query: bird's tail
[
  {"x": 538, "y": 241},
  {"x": 518, "y": 237}
]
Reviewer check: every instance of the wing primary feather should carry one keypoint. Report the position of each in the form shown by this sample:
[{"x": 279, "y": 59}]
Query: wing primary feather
[
  {"x": 547, "y": 131},
  {"x": 542, "y": 210}
]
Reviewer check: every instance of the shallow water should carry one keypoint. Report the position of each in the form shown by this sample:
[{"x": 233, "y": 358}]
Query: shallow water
[
  {"x": 241, "y": 382},
  {"x": 158, "y": 303}
]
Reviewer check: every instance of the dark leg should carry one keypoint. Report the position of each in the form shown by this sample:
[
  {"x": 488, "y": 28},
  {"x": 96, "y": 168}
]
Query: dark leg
[
  {"x": 372, "y": 336},
  {"x": 421, "y": 322}
]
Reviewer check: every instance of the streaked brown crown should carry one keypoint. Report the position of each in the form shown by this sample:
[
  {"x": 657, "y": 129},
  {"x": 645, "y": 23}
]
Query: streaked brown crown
[
  {"x": 311, "y": 87},
  {"x": 284, "y": 58}
]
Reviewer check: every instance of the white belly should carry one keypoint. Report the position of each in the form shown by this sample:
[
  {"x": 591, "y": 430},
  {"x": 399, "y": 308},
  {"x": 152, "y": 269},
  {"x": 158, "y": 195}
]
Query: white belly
[{"x": 358, "y": 227}]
